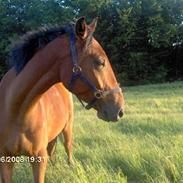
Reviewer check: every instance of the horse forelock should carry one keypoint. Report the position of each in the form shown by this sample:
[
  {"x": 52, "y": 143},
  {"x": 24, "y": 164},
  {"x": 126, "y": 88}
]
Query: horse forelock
[{"x": 30, "y": 43}]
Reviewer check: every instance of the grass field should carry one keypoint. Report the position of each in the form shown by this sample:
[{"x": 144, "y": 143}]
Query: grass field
[{"x": 146, "y": 146}]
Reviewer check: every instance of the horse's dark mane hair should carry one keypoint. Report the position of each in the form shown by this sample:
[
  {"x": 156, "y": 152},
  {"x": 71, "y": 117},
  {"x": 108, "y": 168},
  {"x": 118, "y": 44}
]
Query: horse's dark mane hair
[{"x": 30, "y": 43}]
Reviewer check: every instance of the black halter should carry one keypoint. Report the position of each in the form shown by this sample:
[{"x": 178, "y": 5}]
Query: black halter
[{"x": 78, "y": 74}]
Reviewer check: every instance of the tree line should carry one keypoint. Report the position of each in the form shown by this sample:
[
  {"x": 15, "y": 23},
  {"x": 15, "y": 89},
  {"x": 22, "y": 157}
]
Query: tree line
[{"x": 143, "y": 38}]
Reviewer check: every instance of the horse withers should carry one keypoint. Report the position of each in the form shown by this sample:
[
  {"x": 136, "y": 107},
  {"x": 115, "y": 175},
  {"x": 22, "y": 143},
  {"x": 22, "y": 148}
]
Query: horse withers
[{"x": 36, "y": 105}]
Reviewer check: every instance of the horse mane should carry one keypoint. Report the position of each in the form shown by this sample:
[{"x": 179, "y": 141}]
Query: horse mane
[{"x": 30, "y": 43}]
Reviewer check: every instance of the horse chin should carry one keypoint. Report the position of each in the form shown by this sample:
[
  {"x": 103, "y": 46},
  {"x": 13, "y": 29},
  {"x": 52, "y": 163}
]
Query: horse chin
[
  {"x": 107, "y": 118},
  {"x": 100, "y": 116}
]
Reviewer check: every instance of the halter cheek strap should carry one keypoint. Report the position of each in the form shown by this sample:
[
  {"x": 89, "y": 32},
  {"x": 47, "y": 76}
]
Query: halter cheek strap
[{"x": 78, "y": 74}]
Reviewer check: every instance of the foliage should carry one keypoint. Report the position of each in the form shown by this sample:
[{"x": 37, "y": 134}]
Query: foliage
[{"x": 143, "y": 38}]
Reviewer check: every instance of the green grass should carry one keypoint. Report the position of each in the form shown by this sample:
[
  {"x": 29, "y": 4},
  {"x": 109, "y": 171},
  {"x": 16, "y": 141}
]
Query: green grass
[{"x": 146, "y": 146}]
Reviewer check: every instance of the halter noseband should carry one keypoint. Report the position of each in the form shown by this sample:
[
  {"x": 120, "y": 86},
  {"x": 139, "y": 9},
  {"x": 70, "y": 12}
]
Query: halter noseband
[{"x": 78, "y": 74}]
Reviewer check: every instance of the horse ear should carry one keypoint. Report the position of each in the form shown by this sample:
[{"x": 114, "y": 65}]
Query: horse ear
[
  {"x": 81, "y": 28},
  {"x": 93, "y": 25}
]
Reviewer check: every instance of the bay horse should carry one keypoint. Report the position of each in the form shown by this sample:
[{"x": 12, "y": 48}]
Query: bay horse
[{"x": 35, "y": 102}]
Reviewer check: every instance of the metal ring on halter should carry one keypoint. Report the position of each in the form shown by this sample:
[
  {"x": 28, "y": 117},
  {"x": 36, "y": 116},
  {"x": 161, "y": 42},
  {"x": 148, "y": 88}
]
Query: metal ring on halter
[
  {"x": 98, "y": 94},
  {"x": 76, "y": 69}
]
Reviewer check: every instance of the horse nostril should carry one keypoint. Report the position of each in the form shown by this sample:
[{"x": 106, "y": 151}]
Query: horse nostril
[{"x": 120, "y": 113}]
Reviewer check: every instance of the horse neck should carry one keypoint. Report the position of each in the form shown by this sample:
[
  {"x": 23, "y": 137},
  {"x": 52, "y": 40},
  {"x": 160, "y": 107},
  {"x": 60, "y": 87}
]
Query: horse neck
[{"x": 39, "y": 74}]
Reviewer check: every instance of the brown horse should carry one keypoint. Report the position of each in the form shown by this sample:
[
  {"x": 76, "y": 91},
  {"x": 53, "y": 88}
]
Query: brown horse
[{"x": 35, "y": 105}]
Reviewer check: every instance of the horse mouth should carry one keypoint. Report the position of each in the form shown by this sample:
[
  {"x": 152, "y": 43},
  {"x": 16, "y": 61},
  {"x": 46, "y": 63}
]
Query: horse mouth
[{"x": 106, "y": 118}]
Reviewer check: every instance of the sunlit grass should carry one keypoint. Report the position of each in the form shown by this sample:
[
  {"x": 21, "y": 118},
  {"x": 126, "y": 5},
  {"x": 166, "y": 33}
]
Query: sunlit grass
[{"x": 145, "y": 146}]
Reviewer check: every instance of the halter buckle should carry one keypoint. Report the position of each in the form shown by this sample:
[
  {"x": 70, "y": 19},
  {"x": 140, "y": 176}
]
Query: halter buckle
[{"x": 76, "y": 69}]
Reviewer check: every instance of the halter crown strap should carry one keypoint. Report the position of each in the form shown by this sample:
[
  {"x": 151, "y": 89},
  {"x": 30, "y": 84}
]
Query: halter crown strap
[
  {"x": 74, "y": 55},
  {"x": 70, "y": 30}
]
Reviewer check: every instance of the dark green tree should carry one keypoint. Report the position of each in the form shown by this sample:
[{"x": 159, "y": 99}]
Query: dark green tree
[{"x": 143, "y": 38}]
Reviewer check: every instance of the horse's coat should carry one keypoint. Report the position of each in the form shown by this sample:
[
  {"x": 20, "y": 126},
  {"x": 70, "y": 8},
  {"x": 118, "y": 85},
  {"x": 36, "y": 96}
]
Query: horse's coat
[{"x": 36, "y": 106}]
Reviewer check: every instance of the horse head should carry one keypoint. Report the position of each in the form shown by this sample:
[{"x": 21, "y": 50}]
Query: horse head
[{"x": 91, "y": 77}]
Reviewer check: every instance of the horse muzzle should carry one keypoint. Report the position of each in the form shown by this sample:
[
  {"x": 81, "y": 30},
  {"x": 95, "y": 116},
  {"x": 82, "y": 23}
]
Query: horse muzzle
[{"x": 111, "y": 115}]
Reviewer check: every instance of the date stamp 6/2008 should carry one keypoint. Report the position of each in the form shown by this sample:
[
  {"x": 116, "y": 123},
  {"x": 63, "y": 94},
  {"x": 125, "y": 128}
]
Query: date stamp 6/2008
[{"x": 21, "y": 159}]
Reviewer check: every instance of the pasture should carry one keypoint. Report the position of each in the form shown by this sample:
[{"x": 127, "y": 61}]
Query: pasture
[{"x": 146, "y": 146}]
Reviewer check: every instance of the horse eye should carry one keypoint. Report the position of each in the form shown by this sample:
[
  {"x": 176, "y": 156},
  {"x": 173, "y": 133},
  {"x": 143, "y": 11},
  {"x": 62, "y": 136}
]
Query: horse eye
[{"x": 99, "y": 63}]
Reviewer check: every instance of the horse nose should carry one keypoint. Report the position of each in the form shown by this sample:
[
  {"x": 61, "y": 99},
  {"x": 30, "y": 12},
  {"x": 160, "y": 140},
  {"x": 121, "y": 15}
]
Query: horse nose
[
  {"x": 120, "y": 113},
  {"x": 109, "y": 115}
]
